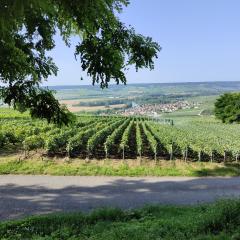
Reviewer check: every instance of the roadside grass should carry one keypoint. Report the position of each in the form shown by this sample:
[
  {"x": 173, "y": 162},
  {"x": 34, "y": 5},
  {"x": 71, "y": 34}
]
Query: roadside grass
[
  {"x": 36, "y": 165},
  {"x": 219, "y": 220}
]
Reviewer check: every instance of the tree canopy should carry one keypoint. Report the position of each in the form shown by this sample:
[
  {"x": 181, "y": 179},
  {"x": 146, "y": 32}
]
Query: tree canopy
[
  {"x": 227, "y": 108},
  {"x": 27, "y": 29}
]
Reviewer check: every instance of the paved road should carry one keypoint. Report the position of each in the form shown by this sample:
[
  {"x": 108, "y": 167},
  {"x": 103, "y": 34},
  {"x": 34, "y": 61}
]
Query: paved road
[{"x": 26, "y": 195}]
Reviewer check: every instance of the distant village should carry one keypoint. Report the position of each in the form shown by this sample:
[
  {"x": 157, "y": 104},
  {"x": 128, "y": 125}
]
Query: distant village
[{"x": 154, "y": 109}]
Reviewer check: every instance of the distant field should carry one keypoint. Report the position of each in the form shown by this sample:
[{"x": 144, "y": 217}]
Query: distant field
[
  {"x": 70, "y": 105},
  {"x": 76, "y": 101},
  {"x": 204, "y": 93},
  {"x": 151, "y": 89},
  {"x": 152, "y": 92},
  {"x": 94, "y": 108}
]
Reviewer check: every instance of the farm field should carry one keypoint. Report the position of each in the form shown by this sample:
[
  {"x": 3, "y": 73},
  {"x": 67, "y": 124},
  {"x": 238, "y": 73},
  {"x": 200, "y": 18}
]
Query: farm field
[
  {"x": 149, "y": 90},
  {"x": 201, "y": 92},
  {"x": 71, "y": 105},
  {"x": 102, "y": 137}
]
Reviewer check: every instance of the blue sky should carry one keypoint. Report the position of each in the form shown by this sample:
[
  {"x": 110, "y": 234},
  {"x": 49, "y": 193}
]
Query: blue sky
[{"x": 200, "y": 41}]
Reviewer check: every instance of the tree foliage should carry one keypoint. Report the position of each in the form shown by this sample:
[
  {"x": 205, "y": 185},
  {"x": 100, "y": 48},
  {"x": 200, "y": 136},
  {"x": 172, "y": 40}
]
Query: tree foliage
[
  {"x": 27, "y": 29},
  {"x": 227, "y": 107}
]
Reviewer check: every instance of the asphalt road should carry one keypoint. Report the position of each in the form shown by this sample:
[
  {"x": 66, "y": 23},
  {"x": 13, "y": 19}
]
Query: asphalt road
[{"x": 27, "y": 195}]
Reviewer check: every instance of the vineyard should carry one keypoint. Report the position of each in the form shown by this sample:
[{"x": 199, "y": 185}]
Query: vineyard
[{"x": 123, "y": 137}]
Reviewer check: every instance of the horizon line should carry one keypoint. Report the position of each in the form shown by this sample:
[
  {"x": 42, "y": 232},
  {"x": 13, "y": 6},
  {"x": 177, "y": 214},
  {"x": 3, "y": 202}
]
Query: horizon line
[{"x": 138, "y": 83}]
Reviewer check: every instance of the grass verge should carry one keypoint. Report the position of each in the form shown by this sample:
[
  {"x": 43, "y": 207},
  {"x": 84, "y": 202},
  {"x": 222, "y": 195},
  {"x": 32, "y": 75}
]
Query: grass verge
[
  {"x": 34, "y": 166},
  {"x": 213, "y": 221}
]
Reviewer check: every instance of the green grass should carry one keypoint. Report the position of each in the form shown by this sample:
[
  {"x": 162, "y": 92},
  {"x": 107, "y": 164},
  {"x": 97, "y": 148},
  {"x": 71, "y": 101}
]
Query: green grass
[
  {"x": 212, "y": 221},
  {"x": 78, "y": 167}
]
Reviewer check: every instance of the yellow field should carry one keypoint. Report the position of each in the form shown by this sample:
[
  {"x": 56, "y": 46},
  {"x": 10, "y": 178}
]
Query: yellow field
[{"x": 70, "y": 105}]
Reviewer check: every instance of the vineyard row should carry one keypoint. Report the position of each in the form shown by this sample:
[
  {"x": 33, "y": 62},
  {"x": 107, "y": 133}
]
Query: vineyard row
[{"x": 122, "y": 137}]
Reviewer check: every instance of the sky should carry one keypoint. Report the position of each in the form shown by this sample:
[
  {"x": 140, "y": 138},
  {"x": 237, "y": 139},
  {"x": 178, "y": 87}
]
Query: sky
[{"x": 200, "y": 41}]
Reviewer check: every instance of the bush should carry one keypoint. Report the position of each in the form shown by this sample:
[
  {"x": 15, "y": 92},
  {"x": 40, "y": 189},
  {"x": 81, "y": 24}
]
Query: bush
[
  {"x": 2, "y": 139},
  {"x": 33, "y": 142}
]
